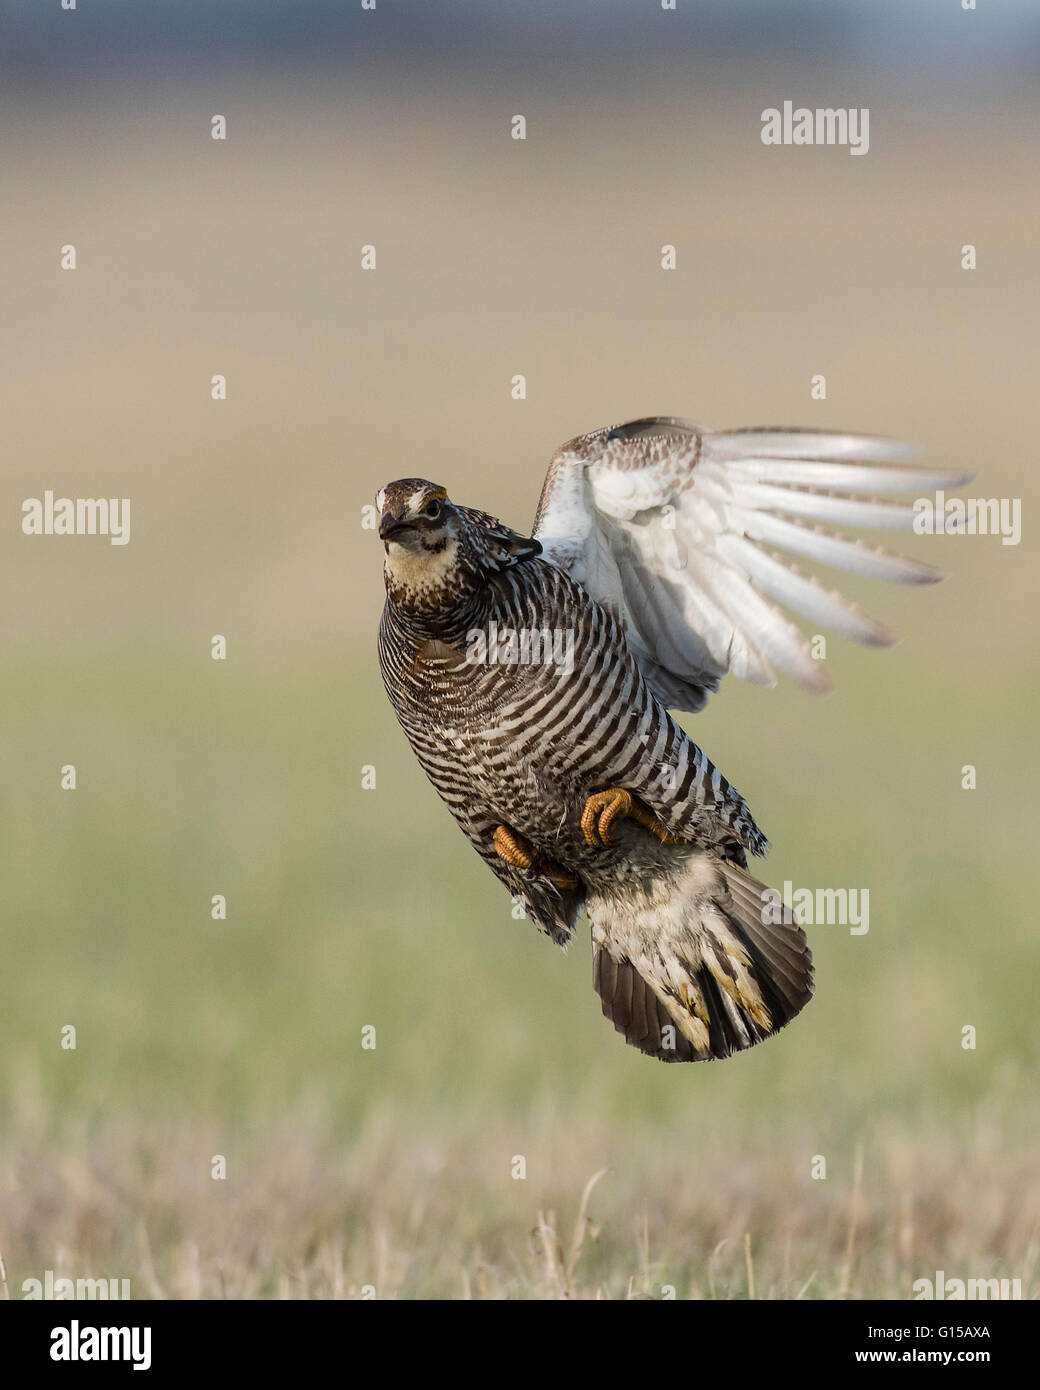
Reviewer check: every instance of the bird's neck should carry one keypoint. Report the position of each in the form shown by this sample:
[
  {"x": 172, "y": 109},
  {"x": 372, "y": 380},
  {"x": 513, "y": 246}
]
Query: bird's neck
[{"x": 449, "y": 623}]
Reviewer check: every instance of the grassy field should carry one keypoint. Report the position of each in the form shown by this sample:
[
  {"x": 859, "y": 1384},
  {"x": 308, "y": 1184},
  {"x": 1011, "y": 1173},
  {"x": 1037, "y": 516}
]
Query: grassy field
[{"x": 393, "y": 1168}]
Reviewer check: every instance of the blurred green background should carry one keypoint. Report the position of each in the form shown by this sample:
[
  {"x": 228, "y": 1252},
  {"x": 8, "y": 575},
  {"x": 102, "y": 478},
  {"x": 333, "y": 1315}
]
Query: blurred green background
[{"x": 392, "y": 1168}]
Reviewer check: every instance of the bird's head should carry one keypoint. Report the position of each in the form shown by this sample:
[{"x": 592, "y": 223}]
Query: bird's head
[
  {"x": 413, "y": 513},
  {"x": 422, "y": 533},
  {"x": 437, "y": 553}
]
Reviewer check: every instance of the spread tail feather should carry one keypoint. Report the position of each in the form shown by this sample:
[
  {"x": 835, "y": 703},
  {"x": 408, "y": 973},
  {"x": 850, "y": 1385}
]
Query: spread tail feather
[{"x": 701, "y": 964}]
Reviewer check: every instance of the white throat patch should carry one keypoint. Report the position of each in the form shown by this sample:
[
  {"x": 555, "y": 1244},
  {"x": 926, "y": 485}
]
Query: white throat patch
[{"x": 421, "y": 573}]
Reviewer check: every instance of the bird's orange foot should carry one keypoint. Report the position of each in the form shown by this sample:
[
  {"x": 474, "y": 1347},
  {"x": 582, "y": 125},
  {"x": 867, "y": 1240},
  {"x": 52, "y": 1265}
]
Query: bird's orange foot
[
  {"x": 515, "y": 850},
  {"x": 603, "y": 808}
]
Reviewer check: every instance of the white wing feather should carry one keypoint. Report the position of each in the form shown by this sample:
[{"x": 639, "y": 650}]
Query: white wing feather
[{"x": 682, "y": 532}]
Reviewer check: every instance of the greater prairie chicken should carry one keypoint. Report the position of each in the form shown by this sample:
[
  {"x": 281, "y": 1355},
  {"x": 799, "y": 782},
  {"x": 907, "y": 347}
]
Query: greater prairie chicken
[{"x": 533, "y": 676}]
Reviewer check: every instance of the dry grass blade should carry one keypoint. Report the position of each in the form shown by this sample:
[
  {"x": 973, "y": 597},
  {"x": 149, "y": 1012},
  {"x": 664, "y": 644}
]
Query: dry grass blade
[
  {"x": 854, "y": 1206},
  {"x": 578, "y": 1238},
  {"x": 805, "y": 1287},
  {"x": 554, "y": 1266},
  {"x": 727, "y": 1240},
  {"x": 147, "y": 1265},
  {"x": 644, "y": 1252},
  {"x": 1030, "y": 1259}
]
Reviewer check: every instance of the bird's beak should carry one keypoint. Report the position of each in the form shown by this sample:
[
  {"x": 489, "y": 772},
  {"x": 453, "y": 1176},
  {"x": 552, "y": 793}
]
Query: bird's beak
[{"x": 389, "y": 525}]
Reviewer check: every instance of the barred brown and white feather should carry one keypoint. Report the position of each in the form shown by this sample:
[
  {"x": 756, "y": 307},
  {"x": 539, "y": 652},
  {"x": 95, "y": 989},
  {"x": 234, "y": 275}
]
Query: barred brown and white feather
[{"x": 524, "y": 743}]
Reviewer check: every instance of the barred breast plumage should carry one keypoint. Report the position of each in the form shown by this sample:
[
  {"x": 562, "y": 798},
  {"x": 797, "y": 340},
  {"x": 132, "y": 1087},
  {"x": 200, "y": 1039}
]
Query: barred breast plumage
[{"x": 533, "y": 688}]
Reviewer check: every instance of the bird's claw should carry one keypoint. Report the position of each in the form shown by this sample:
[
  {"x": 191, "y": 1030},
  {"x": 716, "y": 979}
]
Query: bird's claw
[
  {"x": 520, "y": 853},
  {"x": 603, "y": 808}
]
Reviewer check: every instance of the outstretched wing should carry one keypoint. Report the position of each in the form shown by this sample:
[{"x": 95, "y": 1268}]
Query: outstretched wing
[{"x": 681, "y": 531}]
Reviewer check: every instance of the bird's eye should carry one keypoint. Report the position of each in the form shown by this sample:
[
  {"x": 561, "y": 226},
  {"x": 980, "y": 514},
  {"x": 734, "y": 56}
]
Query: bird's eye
[{"x": 432, "y": 508}]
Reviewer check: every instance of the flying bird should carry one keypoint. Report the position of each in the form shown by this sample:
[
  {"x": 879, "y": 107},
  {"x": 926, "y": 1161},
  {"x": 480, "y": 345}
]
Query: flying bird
[{"x": 533, "y": 677}]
